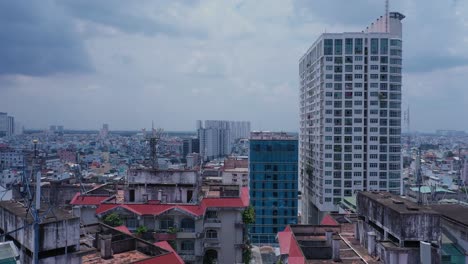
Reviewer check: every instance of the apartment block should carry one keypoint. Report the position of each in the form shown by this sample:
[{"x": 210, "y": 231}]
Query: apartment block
[{"x": 350, "y": 115}]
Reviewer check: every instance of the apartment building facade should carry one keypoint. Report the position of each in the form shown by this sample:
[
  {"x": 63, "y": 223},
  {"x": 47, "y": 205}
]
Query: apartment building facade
[{"x": 350, "y": 115}]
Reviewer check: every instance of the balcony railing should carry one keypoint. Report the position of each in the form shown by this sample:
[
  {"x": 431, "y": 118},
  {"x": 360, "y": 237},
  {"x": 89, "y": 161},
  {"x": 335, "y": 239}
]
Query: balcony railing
[
  {"x": 211, "y": 242},
  {"x": 212, "y": 223},
  {"x": 164, "y": 236}
]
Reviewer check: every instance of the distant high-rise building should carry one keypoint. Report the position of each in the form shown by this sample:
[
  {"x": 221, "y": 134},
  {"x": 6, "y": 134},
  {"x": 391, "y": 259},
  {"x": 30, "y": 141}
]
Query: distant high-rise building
[
  {"x": 217, "y": 137},
  {"x": 3, "y": 124},
  {"x": 7, "y": 125},
  {"x": 104, "y": 130},
  {"x": 190, "y": 145},
  {"x": 10, "y": 126},
  {"x": 273, "y": 184},
  {"x": 350, "y": 115}
]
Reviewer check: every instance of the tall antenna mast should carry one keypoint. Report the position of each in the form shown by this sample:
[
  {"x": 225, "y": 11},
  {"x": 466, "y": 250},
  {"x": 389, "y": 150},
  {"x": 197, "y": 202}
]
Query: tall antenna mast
[
  {"x": 418, "y": 175},
  {"x": 387, "y": 16}
]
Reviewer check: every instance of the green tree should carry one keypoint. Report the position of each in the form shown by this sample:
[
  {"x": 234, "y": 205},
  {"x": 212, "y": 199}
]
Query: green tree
[
  {"x": 113, "y": 220},
  {"x": 141, "y": 230},
  {"x": 248, "y": 216}
]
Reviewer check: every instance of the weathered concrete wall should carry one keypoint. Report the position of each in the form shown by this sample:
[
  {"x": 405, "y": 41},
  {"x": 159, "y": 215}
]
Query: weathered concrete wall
[
  {"x": 162, "y": 177},
  {"x": 170, "y": 194},
  {"x": 53, "y": 235},
  {"x": 229, "y": 235},
  {"x": 404, "y": 224}
]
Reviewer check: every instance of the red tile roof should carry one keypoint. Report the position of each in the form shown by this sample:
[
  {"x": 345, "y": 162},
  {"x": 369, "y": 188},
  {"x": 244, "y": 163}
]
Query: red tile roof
[
  {"x": 288, "y": 246},
  {"x": 169, "y": 258},
  {"x": 328, "y": 220},
  {"x": 196, "y": 210},
  {"x": 167, "y": 246},
  {"x": 124, "y": 229},
  {"x": 84, "y": 199}
]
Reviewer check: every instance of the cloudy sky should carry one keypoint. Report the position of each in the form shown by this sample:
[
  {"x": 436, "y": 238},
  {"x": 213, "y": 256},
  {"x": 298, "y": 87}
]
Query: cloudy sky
[{"x": 126, "y": 63}]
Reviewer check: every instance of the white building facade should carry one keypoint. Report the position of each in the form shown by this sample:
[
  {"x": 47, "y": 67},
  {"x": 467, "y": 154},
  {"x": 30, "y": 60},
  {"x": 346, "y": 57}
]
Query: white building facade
[{"x": 350, "y": 116}]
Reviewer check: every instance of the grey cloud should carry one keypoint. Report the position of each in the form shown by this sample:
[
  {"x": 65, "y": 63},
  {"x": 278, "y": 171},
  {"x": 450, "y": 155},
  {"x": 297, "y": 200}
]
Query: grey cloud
[
  {"x": 37, "y": 39},
  {"x": 433, "y": 62},
  {"x": 127, "y": 16}
]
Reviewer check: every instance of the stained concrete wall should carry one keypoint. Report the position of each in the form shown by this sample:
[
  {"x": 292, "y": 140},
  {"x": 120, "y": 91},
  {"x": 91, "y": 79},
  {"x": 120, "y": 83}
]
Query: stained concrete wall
[
  {"x": 53, "y": 235},
  {"x": 162, "y": 177},
  {"x": 403, "y": 224}
]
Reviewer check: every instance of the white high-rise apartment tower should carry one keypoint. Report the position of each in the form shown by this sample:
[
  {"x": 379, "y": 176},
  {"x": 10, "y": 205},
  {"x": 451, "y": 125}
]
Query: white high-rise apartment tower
[
  {"x": 350, "y": 112},
  {"x": 218, "y": 136}
]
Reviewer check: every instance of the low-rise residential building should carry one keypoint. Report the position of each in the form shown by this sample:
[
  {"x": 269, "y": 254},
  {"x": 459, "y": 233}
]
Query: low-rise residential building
[{"x": 212, "y": 228}]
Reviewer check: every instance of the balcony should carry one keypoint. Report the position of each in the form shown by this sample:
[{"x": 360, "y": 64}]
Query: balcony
[
  {"x": 164, "y": 236},
  {"x": 212, "y": 223},
  {"x": 186, "y": 233},
  {"x": 211, "y": 243},
  {"x": 187, "y": 255}
]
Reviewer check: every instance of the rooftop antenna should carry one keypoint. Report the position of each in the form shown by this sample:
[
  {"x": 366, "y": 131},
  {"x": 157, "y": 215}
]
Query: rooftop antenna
[
  {"x": 387, "y": 30},
  {"x": 418, "y": 175},
  {"x": 155, "y": 137}
]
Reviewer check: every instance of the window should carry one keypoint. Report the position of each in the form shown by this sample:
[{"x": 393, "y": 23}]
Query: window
[
  {"x": 328, "y": 58},
  {"x": 358, "y": 58},
  {"x": 187, "y": 224},
  {"x": 373, "y": 67},
  {"x": 349, "y": 59},
  {"x": 211, "y": 233},
  {"x": 166, "y": 223},
  {"x": 214, "y": 214},
  {"x": 328, "y": 47},
  {"x": 384, "y": 46},
  {"x": 358, "y": 76},
  {"x": 349, "y": 46},
  {"x": 338, "y": 46},
  {"x": 187, "y": 245},
  {"x": 358, "y": 67},
  {"x": 358, "y": 46},
  {"x": 374, "y": 46},
  {"x": 329, "y": 68}
]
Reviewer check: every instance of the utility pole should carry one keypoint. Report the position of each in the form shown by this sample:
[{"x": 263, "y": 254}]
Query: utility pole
[
  {"x": 459, "y": 176},
  {"x": 37, "y": 205}
]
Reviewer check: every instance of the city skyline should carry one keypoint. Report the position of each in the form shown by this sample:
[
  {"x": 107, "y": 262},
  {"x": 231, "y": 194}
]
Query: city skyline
[{"x": 175, "y": 63}]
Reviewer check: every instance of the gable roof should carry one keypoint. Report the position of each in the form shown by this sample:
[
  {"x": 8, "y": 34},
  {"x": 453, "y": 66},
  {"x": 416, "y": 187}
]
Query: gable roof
[
  {"x": 328, "y": 220},
  {"x": 168, "y": 247},
  {"x": 123, "y": 229},
  {"x": 84, "y": 199},
  {"x": 192, "y": 209},
  {"x": 289, "y": 246}
]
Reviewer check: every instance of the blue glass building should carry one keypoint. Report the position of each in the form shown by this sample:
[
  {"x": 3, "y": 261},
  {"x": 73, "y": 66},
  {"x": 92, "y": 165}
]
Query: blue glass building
[{"x": 273, "y": 162}]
